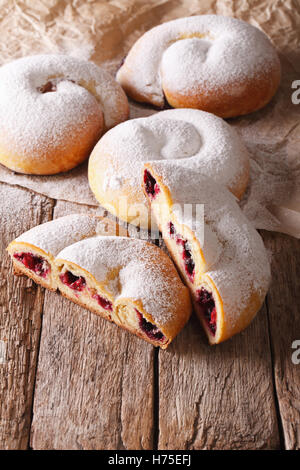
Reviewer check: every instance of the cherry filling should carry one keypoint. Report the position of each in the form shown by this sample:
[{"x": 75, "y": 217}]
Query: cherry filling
[
  {"x": 104, "y": 303},
  {"x": 74, "y": 282},
  {"x": 206, "y": 302},
  {"x": 149, "y": 329},
  {"x": 189, "y": 263},
  {"x": 35, "y": 263},
  {"x": 151, "y": 186}
]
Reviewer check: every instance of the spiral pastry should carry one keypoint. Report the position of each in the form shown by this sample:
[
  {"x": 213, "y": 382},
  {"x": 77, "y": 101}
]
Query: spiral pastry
[
  {"x": 178, "y": 140},
  {"x": 53, "y": 109},
  {"x": 218, "y": 64}
]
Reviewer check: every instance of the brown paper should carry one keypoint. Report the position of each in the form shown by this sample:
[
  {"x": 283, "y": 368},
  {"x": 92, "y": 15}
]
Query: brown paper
[{"x": 104, "y": 31}]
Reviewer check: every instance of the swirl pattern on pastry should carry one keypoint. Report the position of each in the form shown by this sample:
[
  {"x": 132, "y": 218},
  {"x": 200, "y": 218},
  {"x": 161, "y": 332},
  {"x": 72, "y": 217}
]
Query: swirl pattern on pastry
[
  {"x": 220, "y": 255},
  {"x": 214, "y": 63},
  {"x": 53, "y": 109},
  {"x": 179, "y": 140}
]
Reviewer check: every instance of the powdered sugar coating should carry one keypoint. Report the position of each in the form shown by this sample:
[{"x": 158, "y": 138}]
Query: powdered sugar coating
[
  {"x": 55, "y": 235},
  {"x": 241, "y": 266},
  {"x": 32, "y": 121},
  {"x": 177, "y": 139},
  {"x": 141, "y": 272},
  {"x": 210, "y": 50}
]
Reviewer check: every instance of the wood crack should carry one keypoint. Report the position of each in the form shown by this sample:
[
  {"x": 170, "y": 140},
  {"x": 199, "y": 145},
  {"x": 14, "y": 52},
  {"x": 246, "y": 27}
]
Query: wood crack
[{"x": 277, "y": 407}]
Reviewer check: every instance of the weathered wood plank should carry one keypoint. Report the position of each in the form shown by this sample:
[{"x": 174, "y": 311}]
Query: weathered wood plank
[
  {"x": 284, "y": 317},
  {"x": 21, "y": 304},
  {"x": 218, "y": 397},
  {"x": 94, "y": 387}
]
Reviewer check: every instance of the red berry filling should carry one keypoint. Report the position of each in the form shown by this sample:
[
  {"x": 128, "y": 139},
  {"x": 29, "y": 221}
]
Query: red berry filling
[
  {"x": 189, "y": 263},
  {"x": 104, "y": 303},
  {"x": 74, "y": 282},
  {"x": 151, "y": 185},
  {"x": 149, "y": 329},
  {"x": 35, "y": 263},
  {"x": 206, "y": 302}
]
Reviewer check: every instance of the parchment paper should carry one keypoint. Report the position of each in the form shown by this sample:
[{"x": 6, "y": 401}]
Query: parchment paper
[{"x": 104, "y": 31}]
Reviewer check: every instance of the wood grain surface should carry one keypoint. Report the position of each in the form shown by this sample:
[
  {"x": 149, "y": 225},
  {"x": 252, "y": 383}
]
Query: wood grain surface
[
  {"x": 94, "y": 387},
  {"x": 218, "y": 397},
  {"x": 283, "y": 303},
  {"x": 74, "y": 381},
  {"x": 21, "y": 305}
]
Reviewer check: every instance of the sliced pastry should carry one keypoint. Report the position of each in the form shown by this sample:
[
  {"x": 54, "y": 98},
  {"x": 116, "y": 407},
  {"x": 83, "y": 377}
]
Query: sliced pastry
[
  {"x": 130, "y": 282},
  {"x": 219, "y": 254},
  {"x": 34, "y": 251}
]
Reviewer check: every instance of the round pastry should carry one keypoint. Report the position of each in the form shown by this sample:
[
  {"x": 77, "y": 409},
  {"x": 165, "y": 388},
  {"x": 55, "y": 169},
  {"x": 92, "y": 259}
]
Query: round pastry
[
  {"x": 215, "y": 63},
  {"x": 218, "y": 252},
  {"x": 130, "y": 282},
  {"x": 53, "y": 109},
  {"x": 179, "y": 140},
  {"x": 34, "y": 251}
]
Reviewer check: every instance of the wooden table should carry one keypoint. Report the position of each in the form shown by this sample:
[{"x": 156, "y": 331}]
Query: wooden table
[{"x": 71, "y": 380}]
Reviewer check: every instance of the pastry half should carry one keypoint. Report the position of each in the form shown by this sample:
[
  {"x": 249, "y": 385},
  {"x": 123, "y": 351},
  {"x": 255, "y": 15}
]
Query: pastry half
[
  {"x": 219, "y": 254},
  {"x": 34, "y": 251},
  {"x": 127, "y": 281}
]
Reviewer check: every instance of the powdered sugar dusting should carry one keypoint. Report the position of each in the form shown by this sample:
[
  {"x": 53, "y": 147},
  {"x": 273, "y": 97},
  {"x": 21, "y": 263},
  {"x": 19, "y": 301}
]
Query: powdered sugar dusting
[
  {"x": 207, "y": 50},
  {"x": 242, "y": 266},
  {"x": 112, "y": 181},
  {"x": 142, "y": 273},
  {"x": 31, "y": 121},
  {"x": 55, "y": 235},
  {"x": 179, "y": 139}
]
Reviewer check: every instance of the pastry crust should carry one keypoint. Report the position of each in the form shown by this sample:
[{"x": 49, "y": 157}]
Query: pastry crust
[
  {"x": 218, "y": 64},
  {"x": 46, "y": 240},
  {"x": 177, "y": 140},
  {"x": 219, "y": 254},
  {"x": 93, "y": 263},
  {"x": 127, "y": 281},
  {"x": 53, "y": 109}
]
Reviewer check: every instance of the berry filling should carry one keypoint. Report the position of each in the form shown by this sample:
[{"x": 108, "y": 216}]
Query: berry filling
[
  {"x": 35, "y": 263},
  {"x": 151, "y": 185},
  {"x": 74, "y": 282},
  {"x": 104, "y": 303},
  {"x": 206, "y": 301},
  {"x": 189, "y": 264},
  {"x": 149, "y": 329}
]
